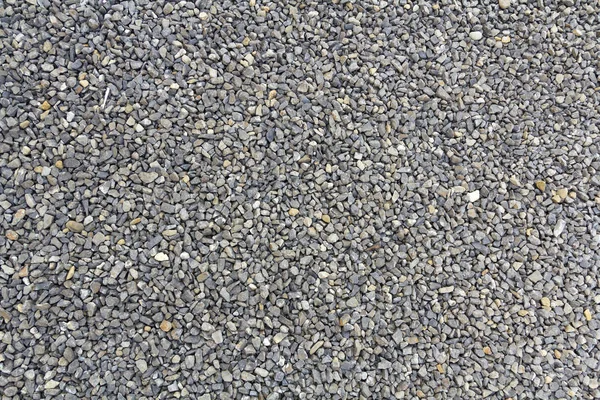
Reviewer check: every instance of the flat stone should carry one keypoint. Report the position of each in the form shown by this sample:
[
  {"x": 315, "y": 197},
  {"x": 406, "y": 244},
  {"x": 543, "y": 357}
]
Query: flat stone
[
  {"x": 75, "y": 226},
  {"x": 316, "y": 346},
  {"x": 504, "y": 4},
  {"x": 148, "y": 177},
  {"x": 473, "y": 196},
  {"x": 161, "y": 257},
  {"x": 535, "y": 277},
  {"x": 141, "y": 365},
  {"x": 217, "y": 336},
  {"x": 476, "y": 35}
]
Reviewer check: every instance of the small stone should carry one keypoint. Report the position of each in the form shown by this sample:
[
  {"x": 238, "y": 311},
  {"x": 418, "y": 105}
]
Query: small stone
[
  {"x": 141, "y": 365},
  {"x": 217, "y": 336},
  {"x": 45, "y": 106},
  {"x": 476, "y": 35},
  {"x": 226, "y": 376},
  {"x": 504, "y": 4},
  {"x": 535, "y": 277},
  {"x": 51, "y": 384},
  {"x": 487, "y": 350},
  {"x": 352, "y": 302},
  {"x": 70, "y": 273},
  {"x": 263, "y": 373},
  {"x": 325, "y": 218},
  {"x": 168, "y": 8},
  {"x": 545, "y": 302},
  {"x": 316, "y": 347},
  {"x": 166, "y": 326},
  {"x": 559, "y": 227},
  {"x": 587, "y": 314},
  {"x": 12, "y": 235},
  {"x": 161, "y": 257},
  {"x": 293, "y": 212},
  {"x": 24, "y": 124},
  {"x": 5, "y": 315},
  {"x": 136, "y": 221},
  {"x": 23, "y": 272},
  {"x": 148, "y": 177},
  {"x": 447, "y": 289},
  {"x": 344, "y": 319},
  {"x": 75, "y": 226},
  {"x": 562, "y": 193},
  {"x": 59, "y": 164},
  {"x": 473, "y": 196},
  {"x": 412, "y": 340},
  {"x": 279, "y": 337}
]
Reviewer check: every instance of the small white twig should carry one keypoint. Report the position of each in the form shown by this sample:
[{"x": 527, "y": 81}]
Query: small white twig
[{"x": 106, "y": 97}]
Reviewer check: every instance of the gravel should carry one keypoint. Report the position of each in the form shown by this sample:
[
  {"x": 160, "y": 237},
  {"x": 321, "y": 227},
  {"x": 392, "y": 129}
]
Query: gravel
[{"x": 299, "y": 200}]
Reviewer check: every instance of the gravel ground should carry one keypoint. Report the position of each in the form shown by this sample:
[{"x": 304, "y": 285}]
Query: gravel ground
[{"x": 299, "y": 200}]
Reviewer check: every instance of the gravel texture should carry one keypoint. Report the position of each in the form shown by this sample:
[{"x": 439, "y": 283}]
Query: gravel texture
[{"x": 299, "y": 199}]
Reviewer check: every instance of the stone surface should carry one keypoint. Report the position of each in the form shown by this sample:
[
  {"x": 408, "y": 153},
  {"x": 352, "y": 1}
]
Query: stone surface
[{"x": 288, "y": 199}]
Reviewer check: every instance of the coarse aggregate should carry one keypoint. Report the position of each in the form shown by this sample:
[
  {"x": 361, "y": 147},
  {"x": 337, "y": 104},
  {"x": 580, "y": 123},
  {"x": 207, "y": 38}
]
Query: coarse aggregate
[{"x": 299, "y": 199}]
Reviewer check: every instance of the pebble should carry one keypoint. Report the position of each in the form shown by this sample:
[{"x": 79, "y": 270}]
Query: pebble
[
  {"x": 166, "y": 326},
  {"x": 141, "y": 365},
  {"x": 217, "y": 336},
  {"x": 161, "y": 257},
  {"x": 504, "y": 4},
  {"x": 473, "y": 196},
  {"x": 51, "y": 384},
  {"x": 148, "y": 177},
  {"x": 541, "y": 185},
  {"x": 75, "y": 226},
  {"x": 12, "y": 235},
  {"x": 315, "y": 347},
  {"x": 476, "y": 35}
]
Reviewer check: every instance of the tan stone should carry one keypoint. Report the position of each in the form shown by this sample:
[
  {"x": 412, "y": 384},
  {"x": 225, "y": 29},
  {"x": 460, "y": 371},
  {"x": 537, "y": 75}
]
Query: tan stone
[
  {"x": 541, "y": 185},
  {"x": 166, "y": 326}
]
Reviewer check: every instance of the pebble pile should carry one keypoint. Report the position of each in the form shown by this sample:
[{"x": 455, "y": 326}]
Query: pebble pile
[{"x": 324, "y": 199}]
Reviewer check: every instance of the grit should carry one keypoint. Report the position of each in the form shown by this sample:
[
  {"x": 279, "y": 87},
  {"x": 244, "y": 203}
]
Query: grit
[{"x": 333, "y": 199}]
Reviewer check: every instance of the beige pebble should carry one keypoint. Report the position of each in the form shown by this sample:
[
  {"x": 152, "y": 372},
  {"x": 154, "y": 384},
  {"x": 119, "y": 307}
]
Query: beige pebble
[
  {"x": 71, "y": 272},
  {"x": 545, "y": 302},
  {"x": 12, "y": 235},
  {"x": 293, "y": 212},
  {"x": 166, "y": 326},
  {"x": 541, "y": 185},
  {"x": 504, "y": 4},
  {"x": 563, "y": 193},
  {"x": 75, "y": 226}
]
